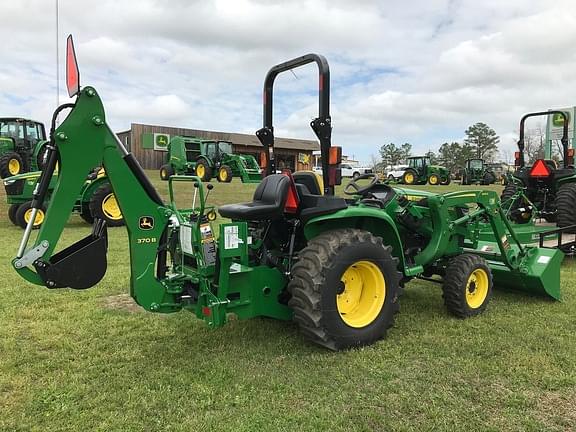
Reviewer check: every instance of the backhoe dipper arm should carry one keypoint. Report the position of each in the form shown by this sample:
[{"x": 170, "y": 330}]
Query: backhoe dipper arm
[
  {"x": 322, "y": 125},
  {"x": 84, "y": 141}
]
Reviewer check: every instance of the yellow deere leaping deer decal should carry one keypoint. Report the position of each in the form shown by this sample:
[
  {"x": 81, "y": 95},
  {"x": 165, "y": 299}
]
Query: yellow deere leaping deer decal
[{"x": 146, "y": 222}]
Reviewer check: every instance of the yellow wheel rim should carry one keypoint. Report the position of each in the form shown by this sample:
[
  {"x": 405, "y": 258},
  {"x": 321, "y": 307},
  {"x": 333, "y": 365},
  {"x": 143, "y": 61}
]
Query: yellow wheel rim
[
  {"x": 39, "y": 217},
  {"x": 477, "y": 288},
  {"x": 363, "y": 296},
  {"x": 110, "y": 207},
  {"x": 200, "y": 171},
  {"x": 14, "y": 166},
  {"x": 433, "y": 180},
  {"x": 409, "y": 178},
  {"x": 211, "y": 215},
  {"x": 223, "y": 174},
  {"x": 163, "y": 173}
]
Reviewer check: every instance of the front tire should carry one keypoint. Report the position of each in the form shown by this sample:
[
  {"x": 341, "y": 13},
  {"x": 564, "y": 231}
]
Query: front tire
[
  {"x": 24, "y": 214},
  {"x": 345, "y": 289},
  {"x": 467, "y": 286},
  {"x": 166, "y": 171},
  {"x": 446, "y": 181},
  {"x": 11, "y": 164},
  {"x": 224, "y": 174},
  {"x": 103, "y": 205},
  {"x": 12, "y": 210}
]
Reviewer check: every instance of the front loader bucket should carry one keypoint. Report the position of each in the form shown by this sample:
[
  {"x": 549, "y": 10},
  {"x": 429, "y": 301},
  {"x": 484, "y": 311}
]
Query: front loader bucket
[
  {"x": 81, "y": 265},
  {"x": 538, "y": 273},
  {"x": 251, "y": 176}
]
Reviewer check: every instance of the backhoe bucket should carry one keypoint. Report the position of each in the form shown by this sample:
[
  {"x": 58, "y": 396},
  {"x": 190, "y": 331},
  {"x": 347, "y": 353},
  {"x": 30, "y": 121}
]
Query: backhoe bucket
[
  {"x": 538, "y": 273},
  {"x": 81, "y": 265}
]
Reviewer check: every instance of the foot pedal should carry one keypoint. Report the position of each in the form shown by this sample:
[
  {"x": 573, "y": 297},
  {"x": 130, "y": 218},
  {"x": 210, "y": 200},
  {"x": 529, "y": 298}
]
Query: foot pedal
[{"x": 79, "y": 266}]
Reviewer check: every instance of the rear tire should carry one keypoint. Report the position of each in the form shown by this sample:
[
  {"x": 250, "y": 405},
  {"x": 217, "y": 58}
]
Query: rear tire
[
  {"x": 103, "y": 205},
  {"x": 12, "y": 210},
  {"x": 433, "y": 180},
  {"x": 24, "y": 213},
  {"x": 446, "y": 181},
  {"x": 345, "y": 288},
  {"x": 467, "y": 286},
  {"x": 203, "y": 171},
  {"x": 11, "y": 164},
  {"x": 409, "y": 177},
  {"x": 224, "y": 174},
  {"x": 166, "y": 171},
  {"x": 566, "y": 206},
  {"x": 489, "y": 178}
]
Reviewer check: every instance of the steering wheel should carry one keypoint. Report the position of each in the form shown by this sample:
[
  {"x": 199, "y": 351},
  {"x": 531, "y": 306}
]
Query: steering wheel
[{"x": 353, "y": 188}]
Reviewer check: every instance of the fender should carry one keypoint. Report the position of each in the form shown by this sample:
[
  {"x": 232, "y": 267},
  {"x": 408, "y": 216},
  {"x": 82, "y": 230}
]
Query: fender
[{"x": 374, "y": 220}]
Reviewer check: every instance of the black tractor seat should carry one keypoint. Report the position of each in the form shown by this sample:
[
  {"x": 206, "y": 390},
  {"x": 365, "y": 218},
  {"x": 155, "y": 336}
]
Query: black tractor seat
[{"x": 267, "y": 204}]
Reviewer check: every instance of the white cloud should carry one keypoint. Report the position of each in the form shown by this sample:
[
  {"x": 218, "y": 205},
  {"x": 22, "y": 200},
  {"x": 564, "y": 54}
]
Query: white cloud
[{"x": 420, "y": 73}]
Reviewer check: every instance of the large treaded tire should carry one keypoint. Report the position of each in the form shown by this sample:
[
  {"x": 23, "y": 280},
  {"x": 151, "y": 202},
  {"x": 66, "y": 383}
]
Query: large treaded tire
[
  {"x": 5, "y": 163},
  {"x": 316, "y": 283},
  {"x": 414, "y": 177},
  {"x": 205, "y": 171},
  {"x": 166, "y": 171},
  {"x": 12, "y": 211},
  {"x": 23, "y": 214},
  {"x": 97, "y": 206},
  {"x": 488, "y": 178},
  {"x": 455, "y": 285},
  {"x": 566, "y": 206}
]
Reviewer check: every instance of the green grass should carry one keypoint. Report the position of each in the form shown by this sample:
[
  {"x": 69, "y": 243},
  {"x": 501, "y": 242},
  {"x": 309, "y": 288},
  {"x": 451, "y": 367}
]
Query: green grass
[{"x": 72, "y": 361}]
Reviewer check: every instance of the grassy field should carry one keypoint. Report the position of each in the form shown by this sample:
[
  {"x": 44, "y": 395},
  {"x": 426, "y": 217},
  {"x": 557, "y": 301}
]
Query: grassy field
[{"x": 75, "y": 361}]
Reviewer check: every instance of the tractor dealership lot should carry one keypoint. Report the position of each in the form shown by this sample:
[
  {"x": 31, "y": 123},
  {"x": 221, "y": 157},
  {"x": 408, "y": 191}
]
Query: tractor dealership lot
[{"x": 91, "y": 360}]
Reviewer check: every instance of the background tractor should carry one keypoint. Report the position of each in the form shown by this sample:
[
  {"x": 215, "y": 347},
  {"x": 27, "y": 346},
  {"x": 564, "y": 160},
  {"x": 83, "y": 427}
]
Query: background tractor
[
  {"x": 96, "y": 199},
  {"x": 208, "y": 159},
  {"x": 21, "y": 146},
  {"x": 295, "y": 252},
  {"x": 477, "y": 172},
  {"x": 420, "y": 171},
  {"x": 549, "y": 187}
]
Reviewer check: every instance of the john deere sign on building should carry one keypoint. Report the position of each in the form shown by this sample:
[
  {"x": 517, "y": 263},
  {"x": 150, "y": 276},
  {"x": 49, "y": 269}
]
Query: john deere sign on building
[
  {"x": 554, "y": 128},
  {"x": 161, "y": 141}
]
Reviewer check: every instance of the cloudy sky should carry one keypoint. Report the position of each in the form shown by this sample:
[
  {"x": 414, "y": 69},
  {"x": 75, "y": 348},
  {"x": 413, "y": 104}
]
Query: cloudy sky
[{"x": 418, "y": 72}]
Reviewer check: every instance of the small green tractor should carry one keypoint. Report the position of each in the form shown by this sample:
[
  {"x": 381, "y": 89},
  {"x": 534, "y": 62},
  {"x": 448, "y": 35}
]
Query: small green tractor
[
  {"x": 22, "y": 146},
  {"x": 549, "y": 191},
  {"x": 208, "y": 159},
  {"x": 96, "y": 199},
  {"x": 421, "y": 171},
  {"x": 335, "y": 266},
  {"x": 476, "y": 171}
]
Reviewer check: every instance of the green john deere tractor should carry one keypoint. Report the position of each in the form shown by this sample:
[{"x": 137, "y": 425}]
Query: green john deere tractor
[
  {"x": 96, "y": 199},
  {"x": 548, "y": 190},
  {"x": 296, "y": 252},
  {"x": 477, "y": 172},
  {"x": 22, "y": 146},
  {"x": 208, "y": 159},
  {"x": 421, "y": 171}
]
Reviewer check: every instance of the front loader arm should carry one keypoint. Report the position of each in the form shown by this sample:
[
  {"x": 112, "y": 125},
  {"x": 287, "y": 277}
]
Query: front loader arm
[{"x": 84, "y": 141}]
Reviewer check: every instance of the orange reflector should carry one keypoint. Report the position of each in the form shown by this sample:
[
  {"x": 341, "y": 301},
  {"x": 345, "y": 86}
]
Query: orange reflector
[
  {"x": 516, "y": 155},
  {"x": 540, "y": 169},
  {"x": 335, "y": 156},
  {"x": 263, "y": 161},
  {"x": 72, "y": 73},
  {"x": 571, "y": 152},
  {"x": 292, "y": 201},
  {"x": 206, "y": 311}
]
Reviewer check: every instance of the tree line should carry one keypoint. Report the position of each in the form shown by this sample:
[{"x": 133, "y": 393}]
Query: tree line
[{"x": 481, "y": 142}]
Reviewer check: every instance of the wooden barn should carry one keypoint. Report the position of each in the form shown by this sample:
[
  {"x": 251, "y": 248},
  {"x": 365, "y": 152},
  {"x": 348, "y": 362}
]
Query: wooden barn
[{"x": 148, "y": 142}]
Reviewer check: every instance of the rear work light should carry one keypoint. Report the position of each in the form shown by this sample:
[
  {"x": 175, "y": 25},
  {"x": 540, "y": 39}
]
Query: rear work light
[{"x": 540, "y": 169}]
